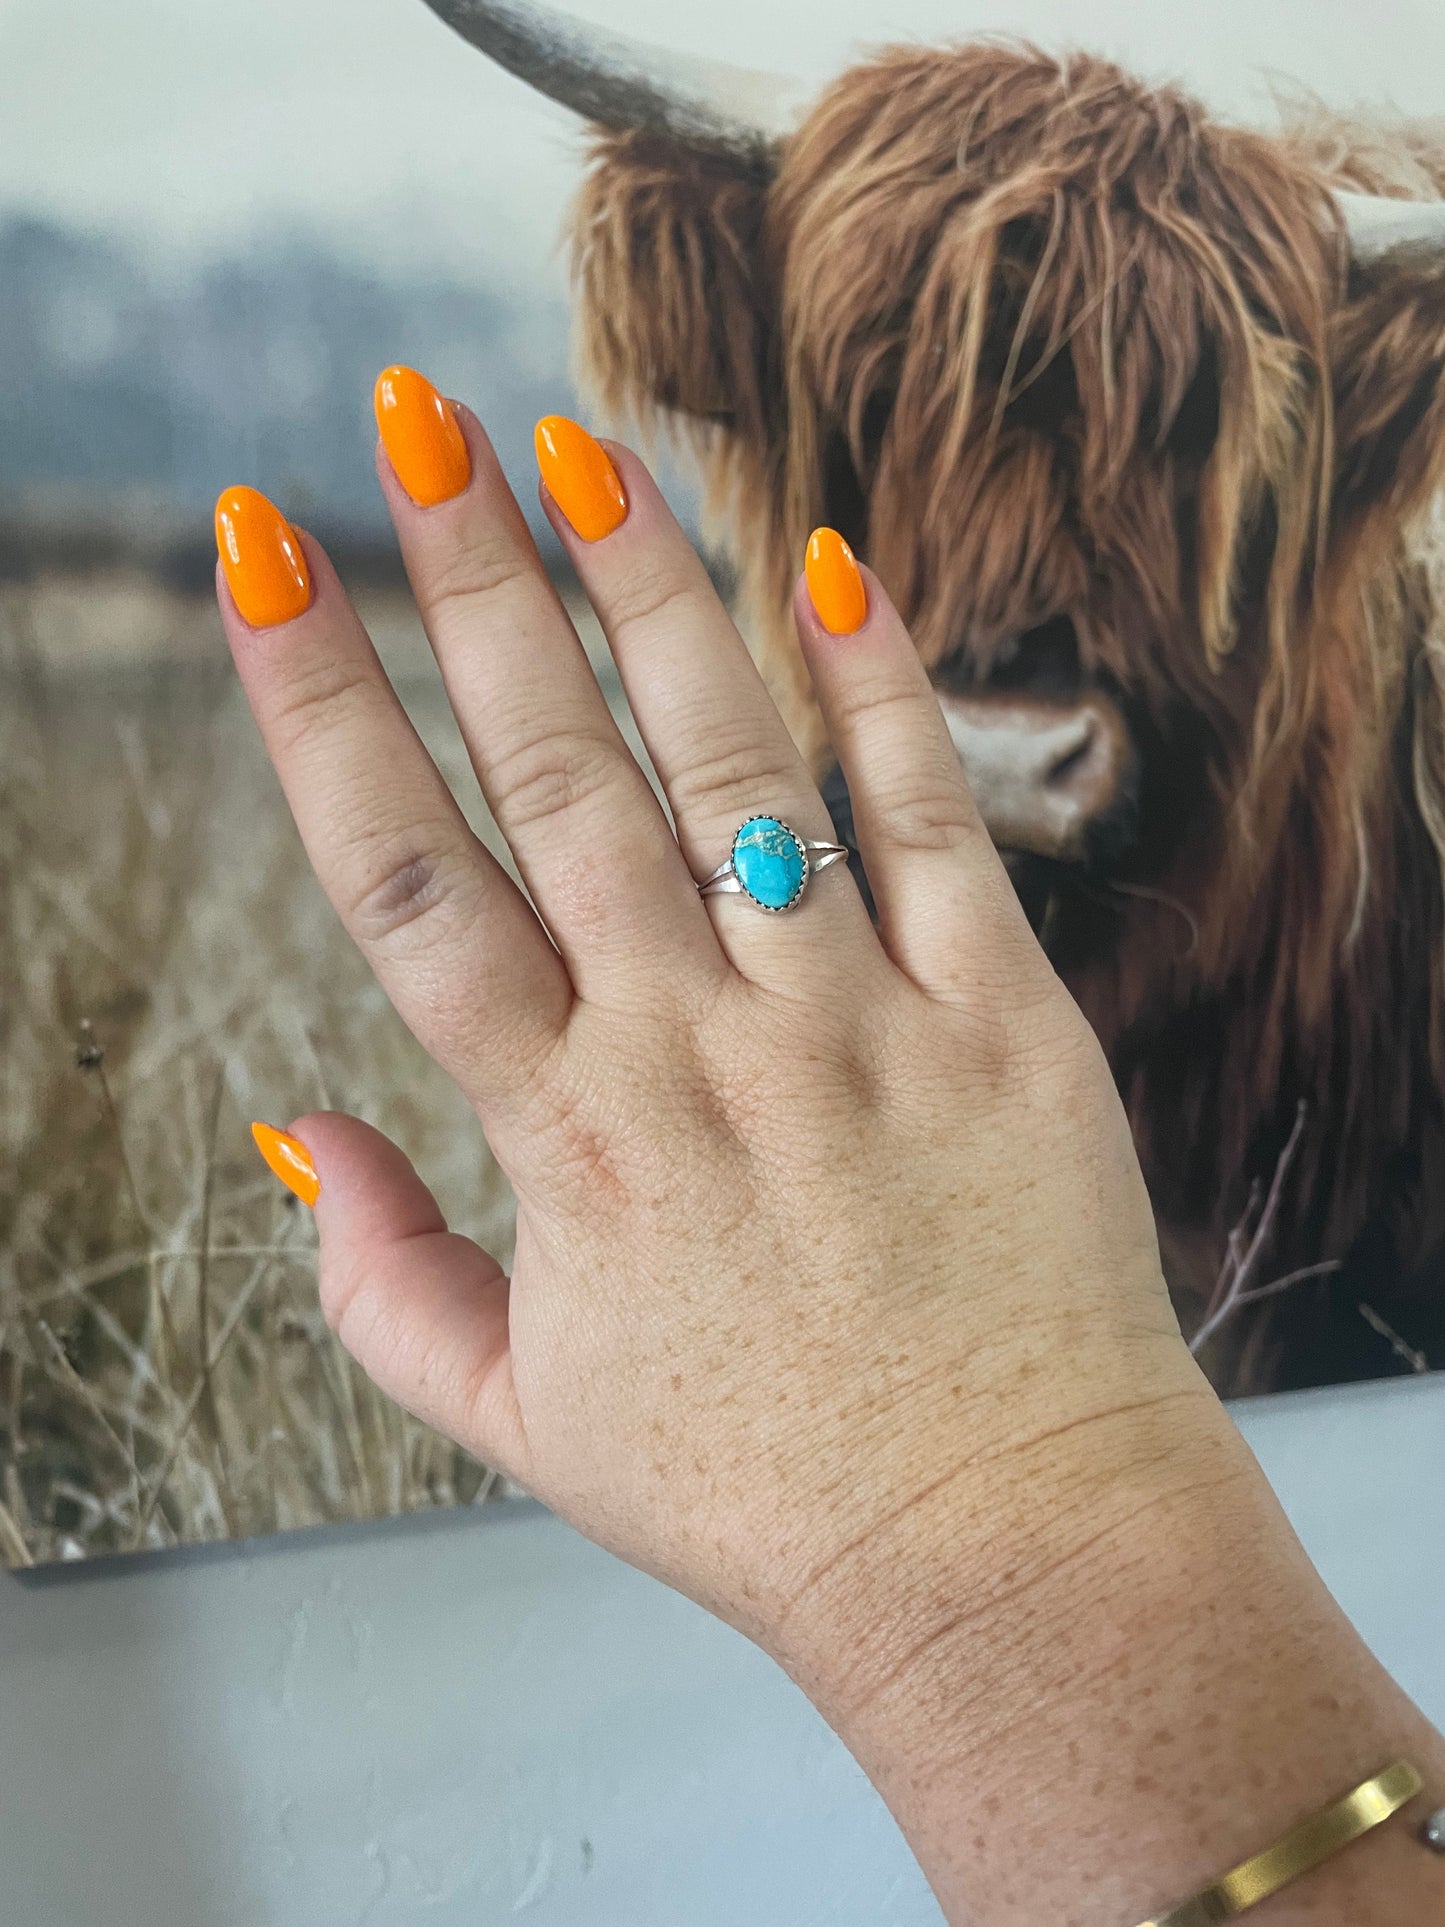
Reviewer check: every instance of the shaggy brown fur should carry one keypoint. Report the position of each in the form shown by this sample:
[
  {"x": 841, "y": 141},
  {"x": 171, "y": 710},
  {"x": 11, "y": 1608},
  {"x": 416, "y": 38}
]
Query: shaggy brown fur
[{"x": 1053, "y": 347}]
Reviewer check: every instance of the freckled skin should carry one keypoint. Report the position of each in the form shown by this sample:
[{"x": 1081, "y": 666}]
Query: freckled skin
[{"x": 937, "y": 1445}]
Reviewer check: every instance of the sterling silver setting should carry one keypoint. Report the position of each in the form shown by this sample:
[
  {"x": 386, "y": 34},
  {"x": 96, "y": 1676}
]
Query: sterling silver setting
[{"x": 770, "y": 864}]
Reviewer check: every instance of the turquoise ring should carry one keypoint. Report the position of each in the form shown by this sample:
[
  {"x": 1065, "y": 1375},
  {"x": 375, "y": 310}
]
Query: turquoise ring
[{"x": 770, "y": 864}]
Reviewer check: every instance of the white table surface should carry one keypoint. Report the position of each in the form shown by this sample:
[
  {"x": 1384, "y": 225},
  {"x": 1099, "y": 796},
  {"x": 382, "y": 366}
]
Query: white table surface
[{"x": 480, "y": 1718}]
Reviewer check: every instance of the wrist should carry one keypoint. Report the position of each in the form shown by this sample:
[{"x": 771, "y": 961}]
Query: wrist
[
  {"x": 1097, "y": 1720},
  {"x": 1005, "y": 1551}
]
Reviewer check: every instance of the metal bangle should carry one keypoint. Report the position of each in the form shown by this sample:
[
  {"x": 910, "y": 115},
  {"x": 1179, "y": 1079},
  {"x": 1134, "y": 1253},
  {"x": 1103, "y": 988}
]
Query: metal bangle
[{"x": 1302, "y": 1848}]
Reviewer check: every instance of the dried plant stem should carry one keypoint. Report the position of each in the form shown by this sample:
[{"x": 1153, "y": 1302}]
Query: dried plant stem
[
  {"x": 12, "y": 1540},
  {"x": 82, "y": 1391},
  {"x": 1235, "y": 1287},
  {"x": 209, "y": 1403},
  {"x": 92, "y": 1058},
  {"x": 1416, "y": 1360},
  {"x": 188, "y": 1413}
]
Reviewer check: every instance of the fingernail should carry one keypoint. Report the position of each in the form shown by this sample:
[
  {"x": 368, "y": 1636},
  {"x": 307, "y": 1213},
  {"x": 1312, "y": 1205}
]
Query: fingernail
[
  {"x": 835, "y": 584},
  {"x": 580, "y": 478},
  {"x": 422, "y": 437},
  {"x": 289, "y": 1159},
  {"x": 262, "y": 558}
]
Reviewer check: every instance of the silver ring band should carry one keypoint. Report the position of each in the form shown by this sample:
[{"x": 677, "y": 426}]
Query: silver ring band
[{"x": 770, "y": 864}]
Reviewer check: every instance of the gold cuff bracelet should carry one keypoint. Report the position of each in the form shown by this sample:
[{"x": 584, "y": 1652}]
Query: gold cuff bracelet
[{"x": 1302, "y": 1848}]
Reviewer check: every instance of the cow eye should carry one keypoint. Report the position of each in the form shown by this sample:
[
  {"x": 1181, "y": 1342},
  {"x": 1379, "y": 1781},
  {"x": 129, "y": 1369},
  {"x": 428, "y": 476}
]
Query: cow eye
[
  {"x": 1042, "y": 659},
  {"x": 847, "y": 505},
  {"x": 1045, "y": 656},
  {"x": 845, "y": 490}
]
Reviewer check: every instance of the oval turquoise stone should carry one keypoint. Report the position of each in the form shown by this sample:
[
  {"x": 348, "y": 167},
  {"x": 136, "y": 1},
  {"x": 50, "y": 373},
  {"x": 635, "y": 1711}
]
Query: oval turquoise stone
[{"x": 769, "y": 862}]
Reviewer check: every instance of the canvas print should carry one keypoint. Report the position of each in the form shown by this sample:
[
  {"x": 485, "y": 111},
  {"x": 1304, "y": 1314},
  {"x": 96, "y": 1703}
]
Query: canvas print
[{"x": 1127, "y": 375}]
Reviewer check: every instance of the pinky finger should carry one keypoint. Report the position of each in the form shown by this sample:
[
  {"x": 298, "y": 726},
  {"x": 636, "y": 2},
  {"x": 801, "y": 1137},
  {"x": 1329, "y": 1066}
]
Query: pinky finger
[
  {"x": 946, "y": 911},
  {"x": 421, "y": 1309}
]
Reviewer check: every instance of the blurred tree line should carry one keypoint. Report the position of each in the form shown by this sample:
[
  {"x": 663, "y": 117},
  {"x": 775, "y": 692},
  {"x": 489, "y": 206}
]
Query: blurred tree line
[{"x": 132, "y": 389}]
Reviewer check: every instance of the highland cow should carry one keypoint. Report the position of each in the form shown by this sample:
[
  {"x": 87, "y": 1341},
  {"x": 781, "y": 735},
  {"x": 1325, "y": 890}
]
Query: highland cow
[{"x": 1141, "y": 419}]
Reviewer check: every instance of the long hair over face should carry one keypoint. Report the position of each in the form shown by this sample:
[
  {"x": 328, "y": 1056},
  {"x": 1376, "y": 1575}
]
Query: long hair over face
[{"x": 1052, "y": 346}]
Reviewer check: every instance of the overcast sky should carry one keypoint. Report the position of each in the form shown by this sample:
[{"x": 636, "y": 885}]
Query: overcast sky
[{"x": 189, "y": 121}]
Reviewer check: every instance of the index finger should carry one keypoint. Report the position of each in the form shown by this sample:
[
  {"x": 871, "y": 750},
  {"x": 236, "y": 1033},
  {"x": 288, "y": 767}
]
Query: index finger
[{"x": 453, "y": 942}]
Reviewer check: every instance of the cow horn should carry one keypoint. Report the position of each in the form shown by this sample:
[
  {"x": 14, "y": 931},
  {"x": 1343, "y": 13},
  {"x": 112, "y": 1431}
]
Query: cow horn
[
  {"x": 619, "y": 83},
  {"x": 1377, "y": 225}
]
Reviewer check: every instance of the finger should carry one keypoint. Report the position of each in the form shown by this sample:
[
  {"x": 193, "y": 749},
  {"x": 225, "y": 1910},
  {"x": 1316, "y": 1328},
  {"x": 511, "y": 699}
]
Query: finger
[
  {"x": 713, "y": 732},
  {"x": 942, "y": 896},
  {"x": 423, "y": 1311},
  {"x": 589, "y": 837},
  {"x": 447, "y": 932}
]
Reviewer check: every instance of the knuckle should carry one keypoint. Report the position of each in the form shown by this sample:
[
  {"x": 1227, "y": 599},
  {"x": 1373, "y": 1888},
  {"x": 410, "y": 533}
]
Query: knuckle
[
  {"x": 320, "y": 694},
  {"x": 545, "y": 777},
  {"x": 867, "y": 701},
  {"x": 650, "y": 597},
  {"x": 922, "y": 810},
  {"x": 338, "y": 1286},
  {"x": 989, "y": 1047},
  {"x": 539, "y": 1078},
  {"x": 368, "y": 1320},
  {"x": 1059, "y": 1057},
  {"x": 579, "y": 1155},
  {"x": 474, "y": 576},
  {"x": 403, "y": 886},
  {"x": 968, "y": 1040},
  {"x": 916, "y": 786},
  {"x": 728, "y": 777}
]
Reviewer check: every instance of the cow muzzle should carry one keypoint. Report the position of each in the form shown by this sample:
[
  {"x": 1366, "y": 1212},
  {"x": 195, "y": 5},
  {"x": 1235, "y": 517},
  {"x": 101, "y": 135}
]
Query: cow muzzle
[{"x": 1042, "y": 772}]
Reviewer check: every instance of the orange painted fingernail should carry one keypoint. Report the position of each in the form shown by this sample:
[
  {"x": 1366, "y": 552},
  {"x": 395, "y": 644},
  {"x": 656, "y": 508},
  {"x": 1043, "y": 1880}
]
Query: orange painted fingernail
[
  {"x": 422, "y": 437},
  {"x": 835, "y": 584},
  {"x": 580, "y": 478},
  {"x": 289, "y": 1159},
  {"x": 262, "y": 558}
]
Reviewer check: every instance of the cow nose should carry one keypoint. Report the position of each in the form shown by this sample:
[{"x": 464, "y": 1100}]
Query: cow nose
[{"x": 1041, "y": 772}]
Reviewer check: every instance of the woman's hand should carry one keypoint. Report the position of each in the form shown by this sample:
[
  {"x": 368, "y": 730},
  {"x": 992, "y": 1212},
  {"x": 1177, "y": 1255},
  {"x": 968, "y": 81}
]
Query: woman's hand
[
  {"x": 802, "y": 1204},
  {"x": 836, "y": 1301}
]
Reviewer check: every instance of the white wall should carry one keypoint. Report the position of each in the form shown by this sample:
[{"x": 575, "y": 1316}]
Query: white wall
[{"x": 473, "y": 1718}]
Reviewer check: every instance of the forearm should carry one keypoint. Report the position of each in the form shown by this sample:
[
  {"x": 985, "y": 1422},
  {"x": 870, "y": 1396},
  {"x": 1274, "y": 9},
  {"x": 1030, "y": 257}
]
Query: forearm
[{"x": 1100, "y": 1735}]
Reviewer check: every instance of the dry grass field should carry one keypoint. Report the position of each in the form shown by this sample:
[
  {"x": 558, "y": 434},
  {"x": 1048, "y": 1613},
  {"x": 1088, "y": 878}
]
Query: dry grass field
[{"x": 168, "y": 971}]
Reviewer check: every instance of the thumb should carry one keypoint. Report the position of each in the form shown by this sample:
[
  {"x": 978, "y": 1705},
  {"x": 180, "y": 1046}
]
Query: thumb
[{"x": 421, "y": 1309}]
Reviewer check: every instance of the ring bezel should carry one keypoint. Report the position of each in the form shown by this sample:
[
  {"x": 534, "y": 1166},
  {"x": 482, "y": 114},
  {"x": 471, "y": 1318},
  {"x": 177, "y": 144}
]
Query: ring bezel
[
  {"x": 726, "y": 879},
  {"x": 773, "y": 909}
]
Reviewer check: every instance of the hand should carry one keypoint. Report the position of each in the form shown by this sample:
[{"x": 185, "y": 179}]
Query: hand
[
  {"x": 836, "y": 1300},
  {"x": 797, "y": 1199}
]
